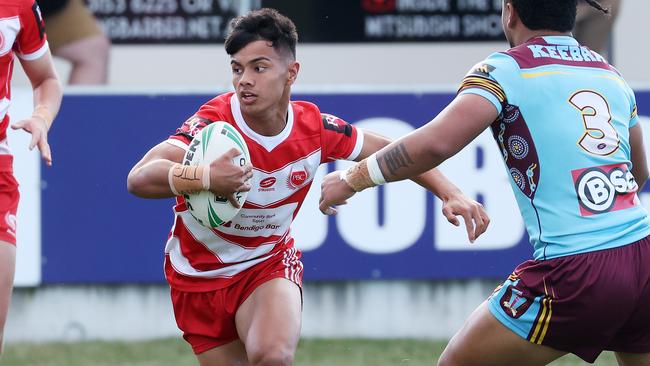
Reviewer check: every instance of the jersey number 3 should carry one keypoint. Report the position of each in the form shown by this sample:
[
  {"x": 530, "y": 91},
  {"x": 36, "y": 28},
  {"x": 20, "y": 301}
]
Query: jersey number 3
[{"x": 600, "y": 137}]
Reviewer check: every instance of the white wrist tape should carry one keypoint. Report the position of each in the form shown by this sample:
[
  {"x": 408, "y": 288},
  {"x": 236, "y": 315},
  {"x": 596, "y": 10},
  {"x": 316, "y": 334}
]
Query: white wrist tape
[{"x": 373, "y": 170}]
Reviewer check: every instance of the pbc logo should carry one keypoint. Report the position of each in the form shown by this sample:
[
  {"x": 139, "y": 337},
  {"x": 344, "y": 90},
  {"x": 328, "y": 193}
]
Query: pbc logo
[
  {"x": 605, "y": 188},
  {"x": 514, "y": 303},
  {"x": 297, "y": 178},
  {"x": 378, "y": 6}
]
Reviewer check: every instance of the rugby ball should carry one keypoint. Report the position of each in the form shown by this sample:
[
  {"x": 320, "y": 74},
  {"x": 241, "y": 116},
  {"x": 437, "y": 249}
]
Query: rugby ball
[{"x": 213, "y": 141}]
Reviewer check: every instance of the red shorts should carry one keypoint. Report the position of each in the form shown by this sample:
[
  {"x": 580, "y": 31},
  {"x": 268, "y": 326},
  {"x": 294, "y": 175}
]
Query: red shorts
[
  {"x": 8, "y": 206},
  {"x": 207, "y": 319}
]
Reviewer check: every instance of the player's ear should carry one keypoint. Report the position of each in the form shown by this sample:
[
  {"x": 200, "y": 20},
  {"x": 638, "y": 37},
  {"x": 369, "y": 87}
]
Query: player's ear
[
  {"x": 510, "y": 15},
  {"x": 293, "y": 69}
]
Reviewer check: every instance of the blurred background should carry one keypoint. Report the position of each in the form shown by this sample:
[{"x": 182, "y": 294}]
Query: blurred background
[{"x": 388, "y": 266}]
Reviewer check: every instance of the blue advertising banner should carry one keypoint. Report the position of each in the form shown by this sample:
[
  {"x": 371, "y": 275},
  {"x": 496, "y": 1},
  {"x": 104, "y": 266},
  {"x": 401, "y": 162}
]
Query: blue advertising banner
[{"x": 94, "y": 231}]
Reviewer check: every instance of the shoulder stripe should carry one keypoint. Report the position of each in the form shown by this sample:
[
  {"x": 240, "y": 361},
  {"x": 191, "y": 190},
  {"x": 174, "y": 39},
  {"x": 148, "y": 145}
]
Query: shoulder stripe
[
  {"x": 635, "y": 112},
  {"x": 486, "y": 84}
]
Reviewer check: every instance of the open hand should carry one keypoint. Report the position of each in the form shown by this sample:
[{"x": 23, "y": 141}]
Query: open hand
[
  {"x": 473, "y": 213},
  {"x": 38, "y": 128},
  {"x": 334, "y": 191}
]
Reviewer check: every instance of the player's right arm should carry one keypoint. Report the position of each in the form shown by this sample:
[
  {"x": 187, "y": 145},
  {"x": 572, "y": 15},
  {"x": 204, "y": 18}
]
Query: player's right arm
[
  {"x": 421, "y": 150},
  {"x": 151, "y": 177},
  {"x": 639, "y": 162}
]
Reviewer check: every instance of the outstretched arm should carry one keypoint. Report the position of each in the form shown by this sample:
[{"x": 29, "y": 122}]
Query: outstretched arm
[
  {"x": 416, "y": 153},
  {"x": 455, "y": 203},
  {"x": 427, "y": 147}
]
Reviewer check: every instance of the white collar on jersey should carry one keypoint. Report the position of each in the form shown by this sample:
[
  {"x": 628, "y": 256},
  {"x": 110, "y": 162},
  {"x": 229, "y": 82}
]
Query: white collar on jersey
[{"x": 268, "y": 142}]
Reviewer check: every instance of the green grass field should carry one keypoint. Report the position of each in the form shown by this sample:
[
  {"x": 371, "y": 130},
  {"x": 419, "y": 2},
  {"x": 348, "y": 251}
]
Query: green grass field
[{"x": 311, "y": 352}]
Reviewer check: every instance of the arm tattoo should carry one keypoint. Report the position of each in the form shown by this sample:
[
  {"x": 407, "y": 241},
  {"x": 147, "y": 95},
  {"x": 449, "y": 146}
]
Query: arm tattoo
[{"x": 394, "y": 159}]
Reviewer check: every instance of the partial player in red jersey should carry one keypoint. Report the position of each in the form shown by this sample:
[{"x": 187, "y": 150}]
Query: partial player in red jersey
[
  {"x": 22, "y": 33},
  {"x": 236, "y": 289}
]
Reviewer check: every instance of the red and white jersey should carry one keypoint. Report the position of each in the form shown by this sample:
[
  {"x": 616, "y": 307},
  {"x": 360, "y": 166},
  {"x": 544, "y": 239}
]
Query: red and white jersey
[
  {"x": 203, "y": 259},
  {"x": 22, "y": 31}
]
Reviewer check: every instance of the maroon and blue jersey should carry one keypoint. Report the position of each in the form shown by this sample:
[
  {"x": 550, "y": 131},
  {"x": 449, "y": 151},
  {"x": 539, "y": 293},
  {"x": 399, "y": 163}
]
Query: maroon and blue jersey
[{"x": 563, "y": 131}]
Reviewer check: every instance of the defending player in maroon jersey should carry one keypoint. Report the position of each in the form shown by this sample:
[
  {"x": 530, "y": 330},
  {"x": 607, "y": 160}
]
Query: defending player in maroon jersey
[
  {"x": 22, "y": 33},
  {"x": 236, "y": 289}
]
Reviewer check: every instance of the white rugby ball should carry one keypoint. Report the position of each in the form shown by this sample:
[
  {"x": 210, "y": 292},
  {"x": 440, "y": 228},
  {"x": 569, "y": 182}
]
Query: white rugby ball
[{"x": 213, "y": 141}]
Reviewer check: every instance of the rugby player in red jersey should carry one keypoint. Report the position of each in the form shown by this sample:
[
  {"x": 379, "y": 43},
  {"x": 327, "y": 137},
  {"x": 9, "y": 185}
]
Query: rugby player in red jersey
[
  {"x": 22, "y": 33},
  {"x": 236, "y": 290}
]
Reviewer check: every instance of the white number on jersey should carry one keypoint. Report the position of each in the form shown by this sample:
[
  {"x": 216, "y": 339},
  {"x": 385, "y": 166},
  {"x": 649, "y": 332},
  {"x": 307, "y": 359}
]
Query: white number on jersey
[{"x": 600, "y": 137}]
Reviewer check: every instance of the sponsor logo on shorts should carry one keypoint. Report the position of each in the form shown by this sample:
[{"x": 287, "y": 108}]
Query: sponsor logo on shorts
[
  {"x": 605, "y": 188},
  {"x": 513, "y": 302},
  {"x": 10, "y": 219}
]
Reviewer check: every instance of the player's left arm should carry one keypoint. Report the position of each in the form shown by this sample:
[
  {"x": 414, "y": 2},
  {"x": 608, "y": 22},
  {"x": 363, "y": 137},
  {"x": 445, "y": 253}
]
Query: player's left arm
[
  {"x": 418, "y": 152},
  {"x": 455, "y": 203},
  {"x": 47, "y": 100}
]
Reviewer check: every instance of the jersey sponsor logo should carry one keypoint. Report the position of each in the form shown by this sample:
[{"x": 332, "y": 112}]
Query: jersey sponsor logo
[
  {"x": 482, "y": 70},
  {"x": 605, "y": 188},
  {"x": 337, "y": 125},
  {"x": 256, "y": 228},
  {"x": 261, "y": 222},
  {"x": 290, "y": 178},
  {"x": 266, "y": 184},
  {"x": 513, "y": 302}
]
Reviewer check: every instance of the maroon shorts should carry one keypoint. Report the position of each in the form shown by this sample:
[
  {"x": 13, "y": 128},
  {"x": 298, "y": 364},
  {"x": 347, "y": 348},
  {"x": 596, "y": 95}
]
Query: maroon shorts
[
  {"x": 582, "y": 304},
  {"x": 207, "y": 319}
]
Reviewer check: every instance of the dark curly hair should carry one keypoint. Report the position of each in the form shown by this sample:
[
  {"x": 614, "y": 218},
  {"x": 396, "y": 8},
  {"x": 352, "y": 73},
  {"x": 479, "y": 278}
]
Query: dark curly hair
[
  {"x": 263, "y": 24},
  {"x": 557, "y": 15}
]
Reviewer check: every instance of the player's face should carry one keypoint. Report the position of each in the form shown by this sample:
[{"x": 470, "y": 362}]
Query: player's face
[{"x": 262, "y": 77}]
